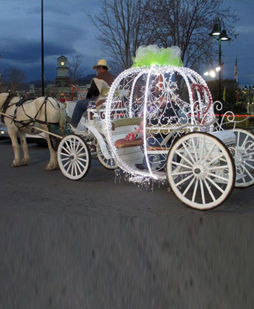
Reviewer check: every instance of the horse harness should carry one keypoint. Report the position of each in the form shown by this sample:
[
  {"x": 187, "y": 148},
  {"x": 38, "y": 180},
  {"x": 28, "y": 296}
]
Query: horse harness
[{"x": 20, "y": 104}]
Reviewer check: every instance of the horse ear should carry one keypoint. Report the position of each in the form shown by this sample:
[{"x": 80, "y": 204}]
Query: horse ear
[{"x": 3, "y": 98}]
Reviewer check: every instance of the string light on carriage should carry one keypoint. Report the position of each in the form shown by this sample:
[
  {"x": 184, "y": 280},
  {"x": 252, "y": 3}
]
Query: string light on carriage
[{"x": 123, "y": 87}]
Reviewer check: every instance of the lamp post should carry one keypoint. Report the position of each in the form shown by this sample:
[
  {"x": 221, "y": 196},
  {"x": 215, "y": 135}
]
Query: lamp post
[
  {"x": 42, "y": 51},
  {"x": 0, "y": 78},
  {"x": 248, "y": 91},
  {"x": 221, "y": 36}
]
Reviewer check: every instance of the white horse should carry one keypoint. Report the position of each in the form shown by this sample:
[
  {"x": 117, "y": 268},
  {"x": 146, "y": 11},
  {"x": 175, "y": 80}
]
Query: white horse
[{"x": 21, "y": 117}]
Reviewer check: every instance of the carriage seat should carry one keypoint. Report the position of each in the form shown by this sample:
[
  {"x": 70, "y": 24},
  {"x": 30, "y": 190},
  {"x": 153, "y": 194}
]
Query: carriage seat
[
  {"x": 122, "y": 122},
  {"x": 103, "y": 88},
  {"x": 123, "y": 143},
  {"x": 126, "y": 122}
]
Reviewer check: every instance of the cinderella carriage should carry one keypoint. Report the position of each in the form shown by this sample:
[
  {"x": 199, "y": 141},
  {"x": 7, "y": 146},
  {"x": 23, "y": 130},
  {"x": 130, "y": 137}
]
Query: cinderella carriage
[
  {"x": 169, "y": 132},
  {"x": 158, "y": 126}
]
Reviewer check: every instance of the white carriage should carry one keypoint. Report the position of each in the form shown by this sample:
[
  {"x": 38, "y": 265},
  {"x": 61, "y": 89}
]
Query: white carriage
[
  {"x": 164, "y": 117},
  {"x": 74, "y": 150}
]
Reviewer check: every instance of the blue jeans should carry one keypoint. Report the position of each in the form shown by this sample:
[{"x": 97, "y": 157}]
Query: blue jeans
[
  {"x": 154, "y": 157},
  {"x": 80, "y": 108}
]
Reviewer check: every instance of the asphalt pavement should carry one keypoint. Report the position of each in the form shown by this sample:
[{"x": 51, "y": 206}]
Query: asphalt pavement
[{"x": 98, "y": 244}]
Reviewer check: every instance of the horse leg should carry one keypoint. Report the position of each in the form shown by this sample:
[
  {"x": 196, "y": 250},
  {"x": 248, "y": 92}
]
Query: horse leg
[
  {"x": 53, "y": 164},
  {"x": 23, "y": 142},
  {"x": 16, "y": 149}
]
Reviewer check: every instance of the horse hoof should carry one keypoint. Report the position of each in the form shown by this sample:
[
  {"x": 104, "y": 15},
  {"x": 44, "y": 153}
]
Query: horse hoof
[
  {"x": 48, "y": 168},
  {"x": 15, "y": 165}
]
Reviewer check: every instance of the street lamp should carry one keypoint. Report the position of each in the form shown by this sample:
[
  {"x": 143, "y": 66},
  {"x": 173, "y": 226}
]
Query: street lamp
[
  {"x": 212, "y": 73},
  {"x": 221, "y": 36}
]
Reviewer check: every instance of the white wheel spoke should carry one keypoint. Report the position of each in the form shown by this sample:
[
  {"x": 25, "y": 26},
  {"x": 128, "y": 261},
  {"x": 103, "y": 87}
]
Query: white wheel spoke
[
  {"x": 209, "y": 153},
  {"x": 209, "y": 190},
  {"x": 67, "y": 150},
  {"x": 187, "y": 167},
  {"x": 214, "y": 160},
  {"x": 67, "y": 163},
  {"x": 224, "y": 179},
  {"x": 217, "y": 168},
  {"x": 65, "y": 155},
  {"x": 206, "y": 177},
  {"x": 76, "y": 146},
  {"x": 216, "y": 185},
  {"x": 194, "y": 149},
  {"x": 81, "y": 164},
  {"x": 176, "y": 173},
  {"x": 247, "y": 171},
  {"x": 202, "y": 191},
  {"x": 184, "y": 158},
  {"x": 73, "y": 157},
  {"x": 246, "y": 137},
  {"x": 190, "y": 155},
  {"x": 184, "y": 180},
  {"x": 188, "y": 187},
  {"x": 202, "y": 148}
]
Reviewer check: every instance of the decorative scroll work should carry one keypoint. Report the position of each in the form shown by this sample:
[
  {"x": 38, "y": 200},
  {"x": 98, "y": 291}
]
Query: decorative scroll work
[
  {"x": 170, "y": 100},
  {"x": 203, "y": 109}
]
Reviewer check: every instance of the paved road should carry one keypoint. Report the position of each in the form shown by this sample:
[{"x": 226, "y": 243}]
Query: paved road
[
  {"x": 31, "y": 191},
  {"x": 64, "y": 246}
]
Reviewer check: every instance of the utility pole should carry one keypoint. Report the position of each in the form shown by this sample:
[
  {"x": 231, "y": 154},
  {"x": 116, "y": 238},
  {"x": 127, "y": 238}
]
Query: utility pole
[
  {"x": 42, "y": 51},
  {"x": 0, "y": 78}
]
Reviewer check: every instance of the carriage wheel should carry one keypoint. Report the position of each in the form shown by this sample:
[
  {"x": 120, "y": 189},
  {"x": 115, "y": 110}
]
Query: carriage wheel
[
  {"x": 74, "y": 157},
  {"x": 107, "y": 163},
  {"x": 200, "y": 170},
  {"x": 243, "y": 154}
]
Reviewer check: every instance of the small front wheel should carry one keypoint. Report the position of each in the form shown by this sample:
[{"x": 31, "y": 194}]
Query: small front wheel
[
  {"x": 74, "y": 157},
  {"x": 200, "y": 170}
]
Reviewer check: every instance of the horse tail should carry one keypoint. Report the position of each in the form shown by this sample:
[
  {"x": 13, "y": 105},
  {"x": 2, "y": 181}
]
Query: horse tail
[{"x": 62, "y": 118}]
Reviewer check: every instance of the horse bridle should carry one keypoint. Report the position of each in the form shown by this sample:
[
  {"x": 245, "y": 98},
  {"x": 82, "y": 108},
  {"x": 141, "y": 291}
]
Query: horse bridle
[{"x": 7, "y": 104}]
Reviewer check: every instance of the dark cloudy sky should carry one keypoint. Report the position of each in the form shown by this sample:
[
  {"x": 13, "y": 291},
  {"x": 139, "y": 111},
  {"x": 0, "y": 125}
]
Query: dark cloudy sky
[{"x": 68, "y": 30}]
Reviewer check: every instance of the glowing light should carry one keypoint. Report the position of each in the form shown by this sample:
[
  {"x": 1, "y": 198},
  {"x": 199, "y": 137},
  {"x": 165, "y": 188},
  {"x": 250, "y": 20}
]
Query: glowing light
[{"x": 212, "y": 73}]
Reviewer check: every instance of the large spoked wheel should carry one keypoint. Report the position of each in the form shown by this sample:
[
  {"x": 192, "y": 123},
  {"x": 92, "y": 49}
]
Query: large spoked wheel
[
  {"x": 74, "y": 157},
  {"x": 107, "y": 163},
  {"x": 243, "y": 154},
  {"x": 200, "y": 170}
]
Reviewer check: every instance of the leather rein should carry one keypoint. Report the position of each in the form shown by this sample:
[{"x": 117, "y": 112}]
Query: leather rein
[{"x": 20, "y": 104}]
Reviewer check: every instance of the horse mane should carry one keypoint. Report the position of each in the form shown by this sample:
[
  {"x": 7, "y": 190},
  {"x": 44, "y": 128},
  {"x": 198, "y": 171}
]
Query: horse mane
[{"x": 6, "y": 104}]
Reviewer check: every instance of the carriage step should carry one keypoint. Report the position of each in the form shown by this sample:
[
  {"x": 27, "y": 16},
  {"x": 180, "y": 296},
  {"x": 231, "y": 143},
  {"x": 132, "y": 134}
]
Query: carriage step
[{"x": 227, "y": 137}]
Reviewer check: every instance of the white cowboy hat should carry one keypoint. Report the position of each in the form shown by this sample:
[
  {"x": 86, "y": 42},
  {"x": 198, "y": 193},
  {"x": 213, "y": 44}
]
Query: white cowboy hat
[{"x": 101, "y": 63}]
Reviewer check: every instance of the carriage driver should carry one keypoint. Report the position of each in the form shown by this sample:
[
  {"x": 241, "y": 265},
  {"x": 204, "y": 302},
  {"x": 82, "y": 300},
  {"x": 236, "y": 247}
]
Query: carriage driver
[{"x": 99, "y": 84}]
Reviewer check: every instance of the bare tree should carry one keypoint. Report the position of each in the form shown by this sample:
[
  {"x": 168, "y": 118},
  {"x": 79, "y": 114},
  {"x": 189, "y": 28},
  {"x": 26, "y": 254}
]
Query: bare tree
[
  {"x": 122, "y": 29},
  {"x": 13, "y": 78},
  {"x": 76, "y": 71},
  {"x": 187, "y": 23},
  {"x": 124, "y": 25}
]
